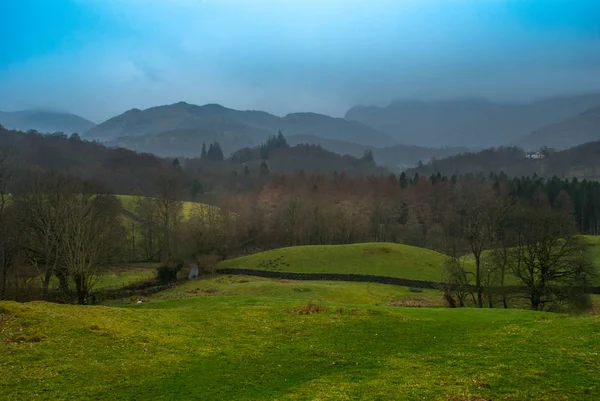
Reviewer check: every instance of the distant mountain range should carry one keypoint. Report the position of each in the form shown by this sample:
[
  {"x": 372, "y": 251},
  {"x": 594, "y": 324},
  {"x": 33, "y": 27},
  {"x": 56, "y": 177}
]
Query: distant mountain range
[
  {"x": 45, "y": 121},
  {"x": 179, "y": 129},
  {"x": 399, "y": 135},
  {"x": 582, "y": 128},
  {"x": 475, "y": 123}
]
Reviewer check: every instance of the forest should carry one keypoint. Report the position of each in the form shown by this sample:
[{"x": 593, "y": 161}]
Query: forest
[{"x": 60, "y": 218}]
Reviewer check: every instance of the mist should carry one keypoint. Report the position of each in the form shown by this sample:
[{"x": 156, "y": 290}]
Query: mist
[{"x": 99, "y": 58}]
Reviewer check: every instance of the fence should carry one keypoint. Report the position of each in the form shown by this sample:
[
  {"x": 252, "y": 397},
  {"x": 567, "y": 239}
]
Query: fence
[{"x": 368, "y": 279}]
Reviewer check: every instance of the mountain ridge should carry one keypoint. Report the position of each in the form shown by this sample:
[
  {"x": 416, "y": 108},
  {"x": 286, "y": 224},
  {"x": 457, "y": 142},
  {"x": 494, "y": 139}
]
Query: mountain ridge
[
  {"x": 470, "y": 122},
  {"x": 45, "y": 121}
]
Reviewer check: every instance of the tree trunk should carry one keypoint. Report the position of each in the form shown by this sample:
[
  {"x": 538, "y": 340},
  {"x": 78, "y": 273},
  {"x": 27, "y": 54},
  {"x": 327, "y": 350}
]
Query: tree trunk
[
  {"x": 81, "y": 289},
  {"x": 63, "y": 283},
  {"x": 4, "y": 275},
  {"x": 46, "y": 282},
  {"x": 478, "y": 280}
]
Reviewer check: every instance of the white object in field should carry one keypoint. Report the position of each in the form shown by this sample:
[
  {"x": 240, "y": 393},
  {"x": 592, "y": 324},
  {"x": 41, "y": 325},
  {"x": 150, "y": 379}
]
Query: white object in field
[{"x": 194, "y": 271}]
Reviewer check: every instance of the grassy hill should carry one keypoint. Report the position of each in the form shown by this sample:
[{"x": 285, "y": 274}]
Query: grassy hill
[
  {"x": 250, "y": 347},
  {"x": 378, "y": 259}
]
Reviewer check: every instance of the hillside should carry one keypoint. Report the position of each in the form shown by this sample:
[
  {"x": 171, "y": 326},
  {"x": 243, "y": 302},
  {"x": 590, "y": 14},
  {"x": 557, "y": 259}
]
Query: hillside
[
  {"x": 376, "y": 259},
  {"x": 45, "y": 121},
  {"x": 119, "y": 170},
  {"x": 581, "y": 161},
  {"x": 468, "y": 122},
  {"x": 205, "y": 346},
  {"x": 312, "y": 159},
  {"x": 179, "y": 129},
  {"x": 583, "y": 128},
  {"x": 395, "y": 157}
]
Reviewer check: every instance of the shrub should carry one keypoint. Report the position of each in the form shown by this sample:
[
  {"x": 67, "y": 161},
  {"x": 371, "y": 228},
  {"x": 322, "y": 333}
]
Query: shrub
[
  {"x": 308, "y": 309},
  {"x": 166, "y": 274}
]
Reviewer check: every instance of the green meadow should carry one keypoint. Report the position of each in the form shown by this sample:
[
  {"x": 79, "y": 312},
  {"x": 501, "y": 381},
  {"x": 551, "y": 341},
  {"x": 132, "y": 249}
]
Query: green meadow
[
  {"x": 246, "y": 341},
  {"x": 233, "y": 337},
  {"x": 377, "y": 259}
]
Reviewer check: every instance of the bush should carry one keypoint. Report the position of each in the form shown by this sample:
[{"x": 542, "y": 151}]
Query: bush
[{"x": 166, "y": 274}]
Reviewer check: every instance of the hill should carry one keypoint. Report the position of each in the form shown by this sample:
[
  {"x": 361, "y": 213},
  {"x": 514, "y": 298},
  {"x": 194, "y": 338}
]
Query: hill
[
  {"x": 179, "y": 129},
  {"x": 582, "y": 162},
  {"x": 583, "y": 128},
  {"x": 395, "y": 157},
  {"x": 45, "y": 121},
  {"x": 311, "y": 159},
  {"x": 376, "y": 259},
  {"x": 120, "y": 170},
  {"x": 204, "y": 347},
  {"x": 474, "y": 123}
]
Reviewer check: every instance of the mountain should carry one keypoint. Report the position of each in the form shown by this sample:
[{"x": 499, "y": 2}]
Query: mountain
[
  {"x": 45, "y": 121},
  {"x": 396, "y": 157},
  {"x": 179, "y": 129},
  {"x": 333, "y": 128},
  {"x": 573, "y": 131},
  {"x": 468, "y": 122}
]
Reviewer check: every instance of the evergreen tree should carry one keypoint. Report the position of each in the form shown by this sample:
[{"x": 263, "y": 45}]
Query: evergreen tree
[
  {"x": 368, "y": 156},
  {"x": 214, "y": 152},
  {"x": 203, "y": 154}
]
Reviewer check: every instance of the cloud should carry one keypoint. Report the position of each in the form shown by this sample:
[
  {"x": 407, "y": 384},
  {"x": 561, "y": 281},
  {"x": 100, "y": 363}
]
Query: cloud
[{"x": 308, "y": 55}]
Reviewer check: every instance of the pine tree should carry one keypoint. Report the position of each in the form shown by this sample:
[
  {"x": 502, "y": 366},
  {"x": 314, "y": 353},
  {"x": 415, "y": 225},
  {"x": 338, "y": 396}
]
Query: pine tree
[
  {"x": 203, "y": 154},
  {"x": 368, "y": 156}
]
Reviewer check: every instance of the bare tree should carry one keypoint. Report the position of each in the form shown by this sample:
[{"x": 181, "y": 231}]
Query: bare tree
[
  {"x": 168, "y": 209},
  {"x": 92, "y": 235},
  {"x": 42, "y": 203},
  {"x": 548, "y": 257},
  {"x": 474, "y": 207},
  {"x": 8, "y": 229}
]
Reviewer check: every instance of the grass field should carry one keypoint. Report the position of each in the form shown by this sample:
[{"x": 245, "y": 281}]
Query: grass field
[
  {"x": 190, "y": 209},
  {"x": 315, "y": 291},
  {"x": 248, "y": 338},
  {"x": 247, "y": 341},
  {"x": 121, "y": 276},
  {"x": 379, "y": 259}
]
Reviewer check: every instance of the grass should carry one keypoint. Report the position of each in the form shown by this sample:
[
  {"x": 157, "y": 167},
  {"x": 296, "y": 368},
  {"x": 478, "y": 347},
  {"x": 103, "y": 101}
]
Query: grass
[
  {"x": 379, "y": 259},
  {"x": 120, "y": 276},
  {"x": 244, "y": 346},
  {"x": 316, "y": 291},
  {"x": 190, "y": 209}
]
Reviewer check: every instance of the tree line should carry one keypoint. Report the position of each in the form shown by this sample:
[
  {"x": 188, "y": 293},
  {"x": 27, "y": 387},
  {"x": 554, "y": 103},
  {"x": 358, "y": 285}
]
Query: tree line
[{"x": 499, "y": 232}]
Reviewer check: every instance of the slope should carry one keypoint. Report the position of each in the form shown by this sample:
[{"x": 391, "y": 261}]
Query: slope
[
  {"x": 583, "y": 128},
  {"x": 250, "y": 348},
  {"x": 376, "y": 259},
  {"x": 45, "y": 121},
  {"x": 395, "y": 157},
  {"x": 172, "y": 128},
  {"x": 468, "y": 122}
]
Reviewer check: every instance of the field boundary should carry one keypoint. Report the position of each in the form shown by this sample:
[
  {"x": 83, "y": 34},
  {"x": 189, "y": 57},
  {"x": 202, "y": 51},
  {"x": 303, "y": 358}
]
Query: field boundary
[{"x": 363, "y": 278}]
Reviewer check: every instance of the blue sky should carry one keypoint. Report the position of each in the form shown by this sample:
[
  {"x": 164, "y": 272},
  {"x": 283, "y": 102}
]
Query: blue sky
[{"x": 98, "y": 58}]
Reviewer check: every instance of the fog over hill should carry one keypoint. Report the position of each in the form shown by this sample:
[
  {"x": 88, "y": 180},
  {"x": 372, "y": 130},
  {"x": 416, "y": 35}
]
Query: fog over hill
[
  {"x": 45, "y": 121},
  {"x": 582, "y": 128},
  {"x": 180, "y": 128},
  {"x": 468, "y": 122}
]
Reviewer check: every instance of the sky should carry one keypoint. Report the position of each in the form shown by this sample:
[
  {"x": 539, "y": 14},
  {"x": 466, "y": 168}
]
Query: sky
[{"x": 99, "y": 58}]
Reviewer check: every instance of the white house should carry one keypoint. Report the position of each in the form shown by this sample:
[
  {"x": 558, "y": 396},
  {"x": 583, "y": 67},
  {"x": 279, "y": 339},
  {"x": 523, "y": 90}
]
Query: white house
[{"x": 535, "y": 155}]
